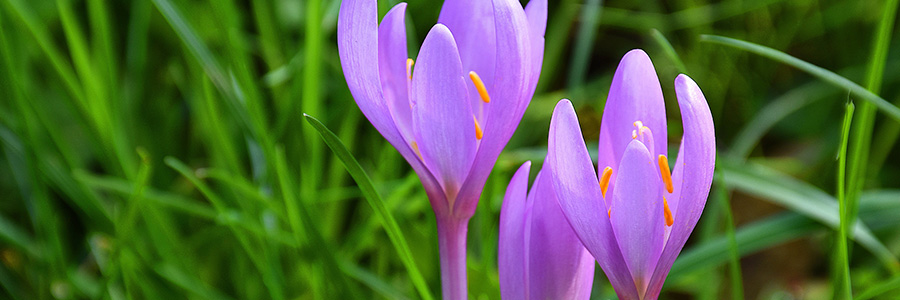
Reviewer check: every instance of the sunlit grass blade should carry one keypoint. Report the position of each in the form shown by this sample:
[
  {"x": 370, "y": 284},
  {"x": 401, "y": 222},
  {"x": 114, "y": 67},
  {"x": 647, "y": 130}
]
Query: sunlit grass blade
[
  {"x": 880, "y": 289},
  {"x": 750, "y": 238},
  {"x": 843, "y": 261},
  {"x": 668, "y": 50},
  {"x": 802, "y": 198},
  {"x": 374, "y": 199},
  {"x": 828, "y": 76}
]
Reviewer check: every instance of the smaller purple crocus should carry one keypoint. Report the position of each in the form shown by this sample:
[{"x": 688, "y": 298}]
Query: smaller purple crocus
[
  {"x": 632, "y": 214},
  {"x": 451, "y": 111},
  {"x": 539, "y": 255}
]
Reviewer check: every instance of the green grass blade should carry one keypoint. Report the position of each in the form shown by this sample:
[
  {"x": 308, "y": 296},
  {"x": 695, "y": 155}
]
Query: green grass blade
[
  {"x": 374, "y": 199},
  {"x": 734, "y": 267},
  {"x": 880, "y": 289},
  {"x": 843, "y": 261},
  {"x": 828, "y": 76},
  {"x": 750, "y": 238},
  {"x": 802, "y": 198},
  {"x": 584, "y": 43},
  {"x": 865, "y": 121},
  {"x": 668, "y": 50}
]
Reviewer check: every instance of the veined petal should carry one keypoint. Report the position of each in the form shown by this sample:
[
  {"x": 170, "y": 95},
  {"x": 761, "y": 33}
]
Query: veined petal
[
  {"x": 392, "y": 58},
  {"x": 559, "y": 266},
  {"x": 536, "y": 13},
  {"x": 472, "y": 24},
  {"x": 699, "y": 152},
  {"x": 637, "y": 212},
  {"x": 511, "y": 248},
  {"x": 442, "y": 118},
  {"x": 634, "y": 95},
  {"x": 357, "y": 31},
  {"x": 578, "y": 192},
  {"x": 504, "y": 112}
]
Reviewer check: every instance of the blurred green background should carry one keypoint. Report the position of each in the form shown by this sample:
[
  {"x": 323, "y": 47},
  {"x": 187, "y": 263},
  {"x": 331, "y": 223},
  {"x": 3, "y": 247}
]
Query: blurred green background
[{"x": 158, "y": 150}]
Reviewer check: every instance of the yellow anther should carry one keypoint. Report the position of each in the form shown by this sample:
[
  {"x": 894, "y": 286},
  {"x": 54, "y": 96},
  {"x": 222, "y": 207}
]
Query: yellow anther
[
  {"x": 609, "y": 213},
  {"x": 668, "y": 213},
  {"x": 409, "y": 65},
  {"x": 479, "y": 85},
  {"x": 638, "y": 124},
  {"x": 415, "y": 147},
  {"x": 664, "y": 171},
  {"x": 604, "y": 180},
  {"x": 633, "y": 134},
  {"x": 478, "y": 133}
]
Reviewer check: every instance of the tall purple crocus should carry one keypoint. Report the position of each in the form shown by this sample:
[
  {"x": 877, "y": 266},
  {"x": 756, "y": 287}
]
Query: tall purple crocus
[
  {"x": 539, "y": 255},
  {"x": 452, "y": 115},
  {"x": 635, "y": 216}
]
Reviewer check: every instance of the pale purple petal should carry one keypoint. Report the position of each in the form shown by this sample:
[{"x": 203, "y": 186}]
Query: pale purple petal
[
  {"x": 507, "y": 95},
  {"x": 357, "y": 33},
  {"x": 472, "y": 24},
  {"x": 637, "y": 213},
  {"x": 536, "y": 13},
  {"x": 559, "y": 266},
  {"x": 699, "y": 152},
  {"x": 635, "y": 95},
  {"x": 511, "y": 248},
  {"x": 442, "y": 118},
  {"x": 578, "y": 193},
  {"x": 392, "y": 65}
]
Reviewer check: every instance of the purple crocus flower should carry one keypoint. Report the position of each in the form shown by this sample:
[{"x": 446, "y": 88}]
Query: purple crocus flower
[
  {"x": 453, "y": 114},
  {"x": 637, "y": 219},
  {"x": 539, "y": 255}
]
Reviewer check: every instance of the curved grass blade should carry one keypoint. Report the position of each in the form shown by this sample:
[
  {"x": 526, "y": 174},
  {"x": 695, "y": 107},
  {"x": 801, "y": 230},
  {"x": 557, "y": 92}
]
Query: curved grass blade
[
  {"x": 374, "y": 199},
  {"x": 881, "y": 288},
  {"x": 750, "y": 238},
  {"x": 843, "y": 261},
  {"x": 668, "y": 50},
  {"x": 802, "y": 198},
  {"x": 826, "y": 75}
]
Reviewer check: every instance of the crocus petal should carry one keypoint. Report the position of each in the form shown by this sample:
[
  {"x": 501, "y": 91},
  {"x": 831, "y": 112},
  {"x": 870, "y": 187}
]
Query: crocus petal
[
  {"x": 472, "y": 24},
  {"x": 637, "y": 213},
  {"x": 536, "y": 12},
  {"x": 635, "y": 95},
  {"x": 357, "y": 31},
  {"x": 559, "y": 266},
  {"x": 511, "y": 248},
  {"x": 699, "y": 152},
  {"x": 503, "y": 113},
  {"x": 578, "y": 193},
  {"x": 442, "y": 118},
  {"x": 392, "y": 65}
]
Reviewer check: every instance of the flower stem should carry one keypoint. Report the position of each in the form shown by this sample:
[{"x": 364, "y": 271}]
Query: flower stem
[{"x": 452, "y": 245}]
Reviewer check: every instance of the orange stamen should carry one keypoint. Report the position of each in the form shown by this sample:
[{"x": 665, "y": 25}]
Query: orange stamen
[
  {"x": 668, "y": 213},
  {"x": 604, "y": 180},
  {"x": 415, "y": 147},
  {"x": 479, "y": 85},
  {"x": 664, "y": 170},
  {"x": 409, "y": 65},
  {"x": 478, "y": 133}
]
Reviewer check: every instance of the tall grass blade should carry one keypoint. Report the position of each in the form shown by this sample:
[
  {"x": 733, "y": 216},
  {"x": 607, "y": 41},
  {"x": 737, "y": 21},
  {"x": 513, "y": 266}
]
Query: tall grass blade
[
  {"x": 828, "y": 76},
  {"x": 843, "y": 261},
  {"x": 374, "y": 199},
  {"x": 802, "y": 198}
]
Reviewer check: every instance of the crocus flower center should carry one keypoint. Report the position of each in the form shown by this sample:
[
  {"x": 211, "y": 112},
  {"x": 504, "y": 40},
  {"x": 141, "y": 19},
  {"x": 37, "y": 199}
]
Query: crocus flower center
[{"x": 645, "y": 135}]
